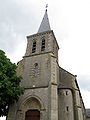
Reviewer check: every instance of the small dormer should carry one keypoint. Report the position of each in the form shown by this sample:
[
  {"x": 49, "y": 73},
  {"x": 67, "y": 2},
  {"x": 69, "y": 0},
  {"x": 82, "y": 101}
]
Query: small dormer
[{"x": 43, "y": 41}]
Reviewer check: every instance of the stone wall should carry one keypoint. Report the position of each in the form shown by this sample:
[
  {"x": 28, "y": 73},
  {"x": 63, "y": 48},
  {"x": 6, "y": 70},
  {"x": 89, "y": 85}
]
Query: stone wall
[{"x": 65, "y": 101}]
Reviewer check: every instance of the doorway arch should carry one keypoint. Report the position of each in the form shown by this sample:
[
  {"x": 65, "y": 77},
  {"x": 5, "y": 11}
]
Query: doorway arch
[
  {"x": 33, "y": 114},
  {"x": 32, "y": 104}
]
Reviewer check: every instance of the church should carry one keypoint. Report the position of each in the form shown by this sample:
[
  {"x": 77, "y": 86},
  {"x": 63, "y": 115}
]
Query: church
[{"x": 51, "y": 92}]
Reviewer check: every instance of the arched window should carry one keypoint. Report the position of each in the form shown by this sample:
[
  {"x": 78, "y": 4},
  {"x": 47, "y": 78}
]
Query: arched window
[
  {"x": 36, "y": 65},
  {"x": 36, "y": 69},
  {"x": 34, "y": 47},
  {"x": 43, "y": 44}
]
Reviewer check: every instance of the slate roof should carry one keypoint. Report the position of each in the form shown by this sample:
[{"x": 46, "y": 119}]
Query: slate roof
[
  {"x": 44, "y": 26},
  {"x": 88, "y": 113},
  {"x": 62, "y": 86}
]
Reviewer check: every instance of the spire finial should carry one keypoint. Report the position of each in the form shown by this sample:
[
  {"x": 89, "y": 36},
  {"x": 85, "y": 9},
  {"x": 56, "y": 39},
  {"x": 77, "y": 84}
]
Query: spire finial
[
  {"x": 44, "y": 26},
  {"x": 46, "y": 6}
]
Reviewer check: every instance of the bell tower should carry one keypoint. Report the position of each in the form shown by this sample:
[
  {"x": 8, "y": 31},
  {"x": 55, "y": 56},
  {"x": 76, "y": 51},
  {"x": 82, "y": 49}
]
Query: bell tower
[
  {"x": 43, "y": 41},
  {"x": 39, "y": 70}
]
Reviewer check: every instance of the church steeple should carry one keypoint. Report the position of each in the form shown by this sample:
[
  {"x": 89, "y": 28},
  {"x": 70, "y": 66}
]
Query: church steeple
[
  {"x": 44, "y": 41},
  {"x": 44, "y": 26}
]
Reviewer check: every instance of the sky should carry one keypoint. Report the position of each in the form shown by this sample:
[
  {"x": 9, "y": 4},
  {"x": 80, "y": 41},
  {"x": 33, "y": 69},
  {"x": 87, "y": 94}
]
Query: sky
[{"x": 70, "y": 21}]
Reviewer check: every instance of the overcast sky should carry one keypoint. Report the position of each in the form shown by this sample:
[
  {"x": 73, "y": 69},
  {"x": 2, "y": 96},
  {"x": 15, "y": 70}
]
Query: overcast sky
[{"x": 70, "y": 21}]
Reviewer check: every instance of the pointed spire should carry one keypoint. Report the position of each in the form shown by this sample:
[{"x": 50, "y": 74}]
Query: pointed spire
[{"x": 45, "y": 26}]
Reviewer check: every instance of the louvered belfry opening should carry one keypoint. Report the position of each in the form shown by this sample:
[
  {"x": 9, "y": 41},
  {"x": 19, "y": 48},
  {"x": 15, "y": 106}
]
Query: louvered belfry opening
[{"x": 43, "y": 44}]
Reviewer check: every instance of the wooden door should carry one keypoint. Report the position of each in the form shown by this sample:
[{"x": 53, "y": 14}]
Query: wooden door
[{"x": 32, "y": 115}]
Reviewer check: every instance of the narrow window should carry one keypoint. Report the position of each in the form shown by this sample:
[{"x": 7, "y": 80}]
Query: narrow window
[
  {"x": 67, "y": 108},
  {"x": 34, "y": 47},
  {"x": 66, "y": 92},
  {"x": 43, "y": 44}
]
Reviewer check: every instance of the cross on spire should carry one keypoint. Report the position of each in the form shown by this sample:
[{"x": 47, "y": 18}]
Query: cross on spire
[
  {"x": 44, "y": 26},
  {"x": 46, "y": 6}
]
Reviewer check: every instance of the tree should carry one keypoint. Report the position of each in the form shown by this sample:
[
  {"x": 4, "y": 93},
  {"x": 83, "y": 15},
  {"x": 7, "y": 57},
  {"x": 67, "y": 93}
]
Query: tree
[{"x": 10, "y": 90}]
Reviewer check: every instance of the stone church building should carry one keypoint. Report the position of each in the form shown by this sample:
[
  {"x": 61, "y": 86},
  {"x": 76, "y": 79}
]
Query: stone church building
[{"x": 51, "y": 92}]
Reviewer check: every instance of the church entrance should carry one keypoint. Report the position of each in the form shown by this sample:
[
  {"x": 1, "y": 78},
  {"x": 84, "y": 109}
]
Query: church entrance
[{"x": 32, "y": 115}]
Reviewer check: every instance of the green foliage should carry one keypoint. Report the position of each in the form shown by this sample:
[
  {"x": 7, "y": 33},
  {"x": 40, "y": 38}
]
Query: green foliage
[{"x": 9, "y": 84}]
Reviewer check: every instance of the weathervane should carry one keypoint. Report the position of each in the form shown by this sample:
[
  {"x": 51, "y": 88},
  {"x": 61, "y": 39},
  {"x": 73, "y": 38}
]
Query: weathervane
[{"x": 46, "y": 6}]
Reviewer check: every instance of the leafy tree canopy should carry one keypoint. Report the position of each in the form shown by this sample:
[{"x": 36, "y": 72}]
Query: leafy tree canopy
[{"x": 9, "y": 84}]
